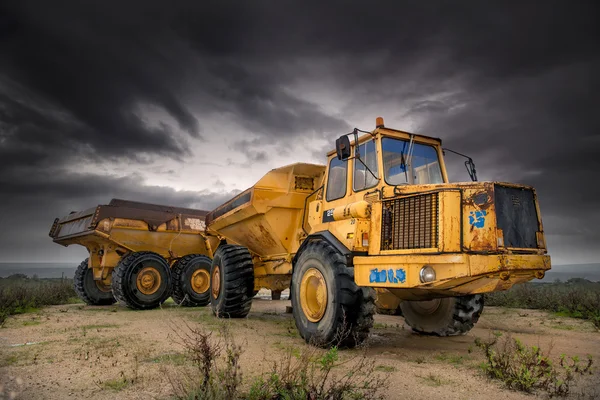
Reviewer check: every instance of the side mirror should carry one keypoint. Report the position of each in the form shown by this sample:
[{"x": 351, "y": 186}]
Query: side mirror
[{"x": 342, "y": 148}]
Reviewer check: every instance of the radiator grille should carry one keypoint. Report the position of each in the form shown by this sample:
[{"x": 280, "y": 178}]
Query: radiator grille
[
  {"x": 517, "y": 216},
  {"x": 410, "y": 222}
]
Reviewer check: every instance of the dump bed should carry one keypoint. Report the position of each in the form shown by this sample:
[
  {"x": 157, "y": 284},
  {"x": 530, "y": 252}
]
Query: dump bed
[
  {"x": 267, "y": 218},
  {"x": 134, "y": 226}
]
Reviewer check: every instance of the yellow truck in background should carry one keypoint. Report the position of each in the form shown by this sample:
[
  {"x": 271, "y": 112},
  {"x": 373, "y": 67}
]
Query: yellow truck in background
[{"x": 380, "y": 226}]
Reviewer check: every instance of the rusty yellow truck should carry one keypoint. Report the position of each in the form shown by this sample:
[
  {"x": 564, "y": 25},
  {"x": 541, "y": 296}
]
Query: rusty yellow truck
[
  {"x": 380, "y": 221},
  {"x": 380, "y": 226},
  {"x": 139, "y": 254}
]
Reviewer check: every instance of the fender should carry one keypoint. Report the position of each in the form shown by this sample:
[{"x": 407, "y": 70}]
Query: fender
[{"x": 333, "y": 241}]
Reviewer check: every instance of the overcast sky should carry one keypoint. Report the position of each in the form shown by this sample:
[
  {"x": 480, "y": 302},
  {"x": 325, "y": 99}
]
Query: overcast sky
[{"x": 187, "y": 104}]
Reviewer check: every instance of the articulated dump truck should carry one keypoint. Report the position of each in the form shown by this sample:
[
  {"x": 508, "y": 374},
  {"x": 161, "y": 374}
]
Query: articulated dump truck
[
  {"x": 139, "y": 254},
  {"x": 379, "y": 228}
]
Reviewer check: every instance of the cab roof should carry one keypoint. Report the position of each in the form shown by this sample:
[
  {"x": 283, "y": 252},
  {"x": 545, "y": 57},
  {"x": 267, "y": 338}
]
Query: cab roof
[{"x": 383, "y": 130}]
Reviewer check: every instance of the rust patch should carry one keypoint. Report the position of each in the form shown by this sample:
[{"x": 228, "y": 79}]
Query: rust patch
[
  {"x": 263, "y": 238},
  {"x": 482, "y": 199}
]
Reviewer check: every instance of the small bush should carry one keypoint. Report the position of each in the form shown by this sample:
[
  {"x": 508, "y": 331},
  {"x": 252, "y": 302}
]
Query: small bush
[
  {"x": 527, "y": 368},
  {"x": 217, "y": 374},
  {"x": 297, "y": 375},
  {"x": 577, "y": 298},
  {"x": 21, "y": 294}
]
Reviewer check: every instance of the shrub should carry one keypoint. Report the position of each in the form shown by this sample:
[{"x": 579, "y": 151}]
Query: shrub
[
  {"x": 297, "y": 375},
  {"x": 19, "y": 295},
  {"x": 575, "y": 298},
  {"x": 527, "y": 368}
]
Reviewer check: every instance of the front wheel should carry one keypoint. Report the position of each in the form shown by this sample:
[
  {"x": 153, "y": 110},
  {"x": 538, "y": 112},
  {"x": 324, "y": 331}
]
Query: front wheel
[
  {"x": 328, "y": 307},
  {"x": 91, "y": 292},
  {"x": 448, "y": 316},
  {"x": 142, "y": 280}
]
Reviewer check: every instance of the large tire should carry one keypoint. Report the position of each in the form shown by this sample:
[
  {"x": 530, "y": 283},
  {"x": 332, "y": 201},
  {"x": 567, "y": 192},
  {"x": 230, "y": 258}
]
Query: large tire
[
  {"x": 142, "y": 280},
  {"x": 344, "y": 317},
  {"x": 191, "y": 280},
  {"x": 232, "y": 282},
  {"x": 448, "y": 316},
  {"x": 87, "y": 288}
]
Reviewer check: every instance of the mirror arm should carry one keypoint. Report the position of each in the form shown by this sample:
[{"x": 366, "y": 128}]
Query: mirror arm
[
  {"x": 356, "y": 150},
  {"x": 360, "y": 130},
  {"x": 469, "y": 164}
]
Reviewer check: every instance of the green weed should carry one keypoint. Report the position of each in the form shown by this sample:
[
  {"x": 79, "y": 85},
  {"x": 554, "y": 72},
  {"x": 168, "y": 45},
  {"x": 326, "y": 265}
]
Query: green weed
[
  {"x": 527, "y": 369},
  {"x": 433, "y": 380},
  {"x": 385, "y": 368}
]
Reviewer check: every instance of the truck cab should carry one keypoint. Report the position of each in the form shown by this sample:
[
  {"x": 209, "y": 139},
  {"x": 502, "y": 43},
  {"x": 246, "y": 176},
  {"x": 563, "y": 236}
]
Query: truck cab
[{"x": 412, "y": 233}]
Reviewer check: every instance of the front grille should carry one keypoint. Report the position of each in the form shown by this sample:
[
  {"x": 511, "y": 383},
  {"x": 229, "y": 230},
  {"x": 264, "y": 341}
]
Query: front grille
[
  {"x": 410, "y": 222},
  {"x": 517, "y": 216}
]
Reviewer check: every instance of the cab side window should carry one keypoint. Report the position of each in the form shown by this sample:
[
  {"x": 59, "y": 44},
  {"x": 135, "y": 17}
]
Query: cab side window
[
  {"x": 338, "y": 176},
  {"x": 363, "y": 178}
]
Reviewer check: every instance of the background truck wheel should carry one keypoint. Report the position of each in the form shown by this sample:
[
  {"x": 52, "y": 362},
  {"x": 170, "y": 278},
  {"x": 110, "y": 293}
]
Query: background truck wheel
[
  {"x": 385, "y": 311},
  {"x": 448, "y": 316},
  {"x": 231, "y": 282},
  {"x": 328, "y": 308},
  {"x": 142, "y": 280},
  {"x": 90, "y": 291},
  {"x": 191, "y": 280}
]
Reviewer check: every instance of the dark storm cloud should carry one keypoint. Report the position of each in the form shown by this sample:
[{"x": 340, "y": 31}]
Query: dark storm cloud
[
  {"x": 541, "y": 130},
  {"x": 514, "y": 84},
  {"x": 32, "y": 206}
]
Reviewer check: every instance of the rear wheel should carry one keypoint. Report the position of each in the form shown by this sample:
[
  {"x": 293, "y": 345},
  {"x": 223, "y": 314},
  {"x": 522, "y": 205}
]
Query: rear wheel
[
  {"x": 328, "y": 307},
  {"x": 231, "y": 282},
  {"x": 448, "y": 316},
  {"x": 191, "y": 280},
  {"x": 94, "y": 293},
  {"x": 142, "y": 280}
]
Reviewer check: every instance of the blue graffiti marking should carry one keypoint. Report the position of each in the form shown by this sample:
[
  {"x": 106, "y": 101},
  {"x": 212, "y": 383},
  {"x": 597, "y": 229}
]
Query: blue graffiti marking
[
  {"x": 401, "y": 275},
  {"x": 385, "y": 275},
  {"x": 477, "y": 218},
  {"x": 391, "y": 277}
]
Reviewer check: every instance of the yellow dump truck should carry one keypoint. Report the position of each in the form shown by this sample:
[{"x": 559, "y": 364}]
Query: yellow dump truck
[
  {"x": 379, "y": 225},
  {"x": 139, "y": 254}
]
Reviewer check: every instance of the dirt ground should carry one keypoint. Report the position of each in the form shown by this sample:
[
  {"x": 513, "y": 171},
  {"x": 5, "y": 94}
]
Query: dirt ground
[{"x": 81, "y": 352}]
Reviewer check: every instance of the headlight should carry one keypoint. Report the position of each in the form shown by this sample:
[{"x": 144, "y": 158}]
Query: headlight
[{"x": 427, "y": 274}]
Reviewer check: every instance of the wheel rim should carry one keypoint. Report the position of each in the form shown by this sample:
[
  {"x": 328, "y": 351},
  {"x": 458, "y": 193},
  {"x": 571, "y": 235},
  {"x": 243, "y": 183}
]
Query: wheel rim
[
  {"x": 103, "y": 287},
  {"x": 313, "y": 295},
  {"x": 216, "y": 281},
  {"x": 200, "y": 281},
  {"x": 426, "y": 307},
  {"x": 148, "y": 280}
]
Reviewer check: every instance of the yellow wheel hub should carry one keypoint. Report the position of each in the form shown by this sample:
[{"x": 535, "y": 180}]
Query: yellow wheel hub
[
  {"x": 216, "y": 281},
  {"x": 200, "y": 281},
  {"x": 313, "y": 295},
  {"x": 426, "y": 307},
  {"x": 148, "y": 280},
  {"x": 103, "y": 286}
]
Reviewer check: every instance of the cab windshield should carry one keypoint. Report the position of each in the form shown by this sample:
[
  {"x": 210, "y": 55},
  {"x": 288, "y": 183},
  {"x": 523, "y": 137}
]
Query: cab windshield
[{"x": 421, "y": 166}]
